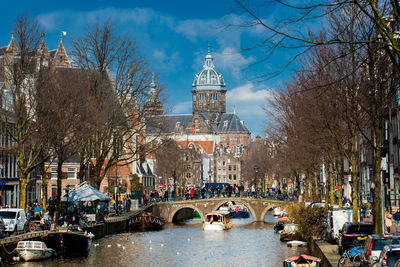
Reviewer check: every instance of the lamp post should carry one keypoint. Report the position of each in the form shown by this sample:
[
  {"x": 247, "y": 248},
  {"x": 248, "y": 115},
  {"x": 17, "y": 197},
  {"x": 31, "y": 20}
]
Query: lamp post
[{"x": 255, "y": 176}]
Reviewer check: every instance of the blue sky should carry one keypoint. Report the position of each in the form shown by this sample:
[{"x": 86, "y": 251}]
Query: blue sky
[{"x": 173, "y": 36}]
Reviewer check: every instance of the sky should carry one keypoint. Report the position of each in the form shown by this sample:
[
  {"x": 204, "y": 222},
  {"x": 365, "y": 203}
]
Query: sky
[{"x": 173, "y": 36}]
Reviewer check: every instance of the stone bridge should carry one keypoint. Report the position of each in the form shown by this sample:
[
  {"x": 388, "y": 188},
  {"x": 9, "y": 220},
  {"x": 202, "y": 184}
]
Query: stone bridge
[{"x": 257, "y": 207}]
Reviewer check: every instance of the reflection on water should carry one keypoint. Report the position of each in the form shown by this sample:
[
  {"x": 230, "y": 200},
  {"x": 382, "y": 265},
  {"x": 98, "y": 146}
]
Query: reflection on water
[{"x": 246, "y": 244}]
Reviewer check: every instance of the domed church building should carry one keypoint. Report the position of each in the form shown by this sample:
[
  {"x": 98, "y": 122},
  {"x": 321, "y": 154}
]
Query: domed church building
[{"x": 219, "y": 136}]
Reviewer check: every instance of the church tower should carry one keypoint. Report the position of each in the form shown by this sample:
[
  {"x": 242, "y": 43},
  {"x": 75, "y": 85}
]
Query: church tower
[{"x": 209, "y": 93}]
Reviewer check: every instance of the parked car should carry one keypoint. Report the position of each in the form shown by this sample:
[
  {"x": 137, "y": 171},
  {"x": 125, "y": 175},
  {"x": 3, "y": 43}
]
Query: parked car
[
  {"x": 373, "y": 246},
  {"x": 353, "y": 235},
  {"x": 14, "y": 219},
  {"x": 2, "y": 228},
  {"x": 390, "y": 256},
  {"x": 335, "y": 221}
]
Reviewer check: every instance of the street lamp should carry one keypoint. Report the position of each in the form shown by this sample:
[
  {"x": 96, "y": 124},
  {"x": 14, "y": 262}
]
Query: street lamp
[{"x": 255, "y": 176}]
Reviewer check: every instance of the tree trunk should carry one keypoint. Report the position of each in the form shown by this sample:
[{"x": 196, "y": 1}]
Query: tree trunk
[
  {"x": 378, "y": 194},
  {"x": 97, "y": 174},
  {"x": 331, "y": 183},
  {"x": 23, "y": 180},
  {"x": 317, "y": 195},
  {"x": 59, "y": 187},
  {"x": 44, "y": 187},
  {"x": 306, "y": 188},
  {"x": 354, "y": 177},
  {"x": 339, "y": 170}
]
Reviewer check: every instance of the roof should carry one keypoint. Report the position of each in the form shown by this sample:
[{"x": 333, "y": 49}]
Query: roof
[
  {"x": 170, "y": 123},
  {"x": 218, "y": 212},
  {"x": 230, "y": 123},
  {"x": 208, "y": 78},
  {"x": 85, "y": 192},
  {"x": 143, "y": 168},
  {"x": 11, "y": 209},
  {"x": 205, "y": 147}
]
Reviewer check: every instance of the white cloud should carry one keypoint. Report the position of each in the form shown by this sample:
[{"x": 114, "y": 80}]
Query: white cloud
[
  {"x": 182, "y": 107},
  {"x": 138, "y": 16},
  {"x": 248, "y": 100},
  {"x": 230, "y": 59}
]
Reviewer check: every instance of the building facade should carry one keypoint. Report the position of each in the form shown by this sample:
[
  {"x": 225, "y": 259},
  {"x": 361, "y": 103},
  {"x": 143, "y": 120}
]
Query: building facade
[{"x": 219, "y": 137}]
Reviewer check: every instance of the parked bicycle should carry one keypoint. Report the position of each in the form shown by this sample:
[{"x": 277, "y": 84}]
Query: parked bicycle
[{"x": 353, "y": 256}]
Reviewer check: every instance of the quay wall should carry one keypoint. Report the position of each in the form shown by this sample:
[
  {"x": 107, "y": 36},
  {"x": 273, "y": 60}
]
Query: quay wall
[
  {"x": 112, "y": 225},
  {"x": 325, "y": 251}
]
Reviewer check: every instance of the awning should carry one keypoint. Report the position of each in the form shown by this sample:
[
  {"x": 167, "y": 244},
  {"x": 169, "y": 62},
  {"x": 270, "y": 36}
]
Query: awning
[{"x": 85, "y": 192}]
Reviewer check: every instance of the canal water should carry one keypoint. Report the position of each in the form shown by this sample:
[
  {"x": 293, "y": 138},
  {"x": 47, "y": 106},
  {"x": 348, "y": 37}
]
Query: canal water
[{"x": 247, "y": 244}]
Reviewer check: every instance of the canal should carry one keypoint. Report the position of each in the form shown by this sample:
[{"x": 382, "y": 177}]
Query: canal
[{"x": 247, "y": 244}]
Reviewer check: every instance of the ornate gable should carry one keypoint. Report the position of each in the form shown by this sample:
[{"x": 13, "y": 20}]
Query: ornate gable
[
  {"x": 60, "y": 58},
  {"x": 12, "y": 46}
]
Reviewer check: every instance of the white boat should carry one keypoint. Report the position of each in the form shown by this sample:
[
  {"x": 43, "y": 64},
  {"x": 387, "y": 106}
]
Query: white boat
[
  {"x": 217, "y": 221},
  {"x": 280, "y": 212},
  {"x": 33, "y": 250}
]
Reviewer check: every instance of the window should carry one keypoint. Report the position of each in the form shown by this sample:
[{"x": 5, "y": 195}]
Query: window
[
  {"x": 230, "y": 167},
  {"x": 53, "y": 190},
  {"x": 234, "y": 177},
  {"x": 234, "y": 167},
  {"x": 53, "y": 175},
  {"x": 188, "y": 175},
  {"x": 71, "y": 173},
  {"x": 53, "y": 169},
  {"x": 223, "y": 163},
  {"x": 230, "y": 177}
]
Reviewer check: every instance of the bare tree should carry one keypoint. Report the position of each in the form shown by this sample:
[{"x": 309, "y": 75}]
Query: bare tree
[
  {"x": 63, "y": 116},
  {"x": 170, "y": 162},
  {"x": 22, "y": 62},
  {"x": 119, "y": 80}
]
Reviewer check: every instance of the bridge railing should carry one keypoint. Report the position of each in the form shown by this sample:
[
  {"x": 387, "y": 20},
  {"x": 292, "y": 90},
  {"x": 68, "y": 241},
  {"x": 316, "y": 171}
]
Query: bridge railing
[{"x": 244, "y": 194}]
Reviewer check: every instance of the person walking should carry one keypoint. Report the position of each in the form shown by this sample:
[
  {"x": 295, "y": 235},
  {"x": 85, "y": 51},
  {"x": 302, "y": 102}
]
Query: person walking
[
  {"x": 388, "y": 221},
  {"x": 396, "y": 218}
]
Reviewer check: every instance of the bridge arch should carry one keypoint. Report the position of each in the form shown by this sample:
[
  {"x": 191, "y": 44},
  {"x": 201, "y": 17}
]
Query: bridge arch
[
  {"x": 268, "y": 208},
  {"x": 185, "y": 206},
  {"x": 238, "y": 201}
]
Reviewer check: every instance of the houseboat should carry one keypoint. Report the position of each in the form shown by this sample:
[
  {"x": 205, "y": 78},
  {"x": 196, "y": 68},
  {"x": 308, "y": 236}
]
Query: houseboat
[{"x": 217, "y": 221}]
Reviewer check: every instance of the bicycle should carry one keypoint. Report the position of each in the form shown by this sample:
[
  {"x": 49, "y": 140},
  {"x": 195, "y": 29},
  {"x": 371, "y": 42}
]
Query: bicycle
[{"x": 353, "y": 256}]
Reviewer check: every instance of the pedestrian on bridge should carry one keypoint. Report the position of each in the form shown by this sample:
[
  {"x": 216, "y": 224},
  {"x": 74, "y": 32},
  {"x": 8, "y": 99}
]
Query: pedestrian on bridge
[{"x": 396, "y": 218}]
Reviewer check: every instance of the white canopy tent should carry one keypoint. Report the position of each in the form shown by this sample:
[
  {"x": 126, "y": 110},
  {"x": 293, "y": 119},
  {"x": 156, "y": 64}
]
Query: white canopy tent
[{"x": 85, "y": 192}]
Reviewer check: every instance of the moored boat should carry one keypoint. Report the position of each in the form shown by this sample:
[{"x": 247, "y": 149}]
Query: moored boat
[
  {"x": 236, "y": 210},
  {"x": 289, "y": 232},
  {"x": 302, "y": 261},
  {"x": 279, "y": 225},
  {"x": 280, "y": 212},
  {"x": 217, "y": 221},
  {"x": 146, "y": 221},
  {"x": 33, "y": 250},
  {"x": 69, "y": 244}
]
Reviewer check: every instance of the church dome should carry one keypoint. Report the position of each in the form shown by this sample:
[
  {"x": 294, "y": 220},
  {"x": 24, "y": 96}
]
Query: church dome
[{"x": 208, "y": 78}]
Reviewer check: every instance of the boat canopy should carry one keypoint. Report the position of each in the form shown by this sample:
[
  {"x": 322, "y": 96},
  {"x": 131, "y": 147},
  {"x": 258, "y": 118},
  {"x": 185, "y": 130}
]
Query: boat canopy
[
  {"x": 31, "y": 244},
  {"x": 303, "y": 257}
]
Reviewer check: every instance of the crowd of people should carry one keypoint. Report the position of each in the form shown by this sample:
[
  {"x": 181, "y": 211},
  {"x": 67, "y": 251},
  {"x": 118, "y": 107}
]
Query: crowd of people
[{"x": 212, "y": 191}]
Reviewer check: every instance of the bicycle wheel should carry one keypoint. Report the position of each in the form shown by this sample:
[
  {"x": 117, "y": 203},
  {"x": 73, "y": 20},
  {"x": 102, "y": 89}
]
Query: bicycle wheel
[
  {"x": 342, "y": 261},
  {"x": 356, "y": 260}
]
